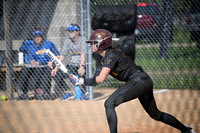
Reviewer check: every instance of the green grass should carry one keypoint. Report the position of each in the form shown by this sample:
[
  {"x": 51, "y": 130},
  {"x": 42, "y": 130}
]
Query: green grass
[
  {"x": 181, "y": 35},
  {"x": 184, "y": 61},
  {"x": 176, "y": 81},
  {"x": 179, "y": 71},
  {"x": 180, "y": 58}
]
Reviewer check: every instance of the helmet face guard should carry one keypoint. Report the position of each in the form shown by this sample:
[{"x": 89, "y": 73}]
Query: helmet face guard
[
  {"x": 102, "y": 38},
  {"x": 97, "y": 42}
]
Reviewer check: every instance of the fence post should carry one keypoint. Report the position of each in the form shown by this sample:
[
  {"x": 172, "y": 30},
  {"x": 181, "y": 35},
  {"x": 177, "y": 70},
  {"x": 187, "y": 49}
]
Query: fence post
[
  {"x": 8, "y": 42},
  {"x": 90, "y": 52},
  {"x": 166, "y": 28}
]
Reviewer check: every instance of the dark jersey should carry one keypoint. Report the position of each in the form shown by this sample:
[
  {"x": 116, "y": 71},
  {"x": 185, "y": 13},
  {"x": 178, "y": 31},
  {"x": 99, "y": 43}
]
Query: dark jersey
[{"x": 121, "y": 67}]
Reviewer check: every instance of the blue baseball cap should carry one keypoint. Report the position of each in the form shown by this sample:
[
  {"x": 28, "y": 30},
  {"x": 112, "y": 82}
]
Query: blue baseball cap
[
  {"x": 37, "y": 32},
  {"x": 73, "y": 28}
]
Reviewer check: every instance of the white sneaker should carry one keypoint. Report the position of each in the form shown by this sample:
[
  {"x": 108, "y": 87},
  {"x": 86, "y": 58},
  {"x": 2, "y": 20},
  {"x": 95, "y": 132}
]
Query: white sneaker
[
  {"x": 86, "y": 94},
  {"x": 70, "y": 98},
  {"x": 192, "y": 131}
]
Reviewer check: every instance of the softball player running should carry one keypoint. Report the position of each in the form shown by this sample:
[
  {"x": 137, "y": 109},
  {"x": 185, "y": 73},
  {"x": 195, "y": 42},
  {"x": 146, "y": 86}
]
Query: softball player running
[{"x": 138, "y": 84}]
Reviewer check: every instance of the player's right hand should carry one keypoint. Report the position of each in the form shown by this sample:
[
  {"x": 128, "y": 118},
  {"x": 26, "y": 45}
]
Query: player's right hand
[{"x": 75, "y": 80}]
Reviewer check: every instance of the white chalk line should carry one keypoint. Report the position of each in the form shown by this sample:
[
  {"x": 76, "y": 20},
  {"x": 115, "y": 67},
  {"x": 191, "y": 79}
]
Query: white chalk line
[
  {"x": 186, "y": 101},
  {"x": 181, "y": 100},
  {"x": 161, "y": 91}
]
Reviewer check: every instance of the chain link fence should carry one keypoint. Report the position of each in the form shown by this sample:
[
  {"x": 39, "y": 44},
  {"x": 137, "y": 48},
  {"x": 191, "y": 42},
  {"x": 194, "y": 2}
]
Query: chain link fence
[
  {"x": 164, "y": 42},
  {"x": 19, "y": 21},
  {"x": 166, "y": 39}
]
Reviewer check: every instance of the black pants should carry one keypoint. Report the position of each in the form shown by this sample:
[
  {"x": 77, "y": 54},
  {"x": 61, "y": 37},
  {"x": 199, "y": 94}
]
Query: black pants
[
  {"x": 41, "y": 78},
  {"x": 141, "y": 88}
]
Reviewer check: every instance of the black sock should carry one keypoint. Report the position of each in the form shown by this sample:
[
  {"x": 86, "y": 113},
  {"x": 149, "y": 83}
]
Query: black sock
[{"x": 112, "y": 119}]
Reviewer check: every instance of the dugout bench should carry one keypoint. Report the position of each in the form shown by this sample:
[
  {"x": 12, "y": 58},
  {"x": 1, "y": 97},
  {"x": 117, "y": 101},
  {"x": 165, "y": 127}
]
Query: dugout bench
[{"x": 16, "y": 69}]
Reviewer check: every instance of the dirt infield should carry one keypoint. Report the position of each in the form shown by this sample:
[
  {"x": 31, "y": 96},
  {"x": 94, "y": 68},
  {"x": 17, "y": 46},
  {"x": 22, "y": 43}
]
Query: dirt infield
[{"x": 89, "y": 116}]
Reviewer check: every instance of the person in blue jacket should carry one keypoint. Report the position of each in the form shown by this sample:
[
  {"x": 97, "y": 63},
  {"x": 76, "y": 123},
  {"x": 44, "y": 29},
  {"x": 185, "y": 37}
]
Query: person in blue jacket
[{"x": 40, "y": 66}]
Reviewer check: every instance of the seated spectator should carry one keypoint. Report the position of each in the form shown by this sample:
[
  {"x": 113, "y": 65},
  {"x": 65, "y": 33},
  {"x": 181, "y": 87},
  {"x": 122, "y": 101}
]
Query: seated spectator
[
  {"x": 40, "y": 67},
  {"x": 73, "y": 50}
]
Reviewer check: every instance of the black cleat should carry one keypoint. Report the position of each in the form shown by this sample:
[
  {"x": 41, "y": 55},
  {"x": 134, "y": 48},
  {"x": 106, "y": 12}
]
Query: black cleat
[{"x": 189, "y": 130}]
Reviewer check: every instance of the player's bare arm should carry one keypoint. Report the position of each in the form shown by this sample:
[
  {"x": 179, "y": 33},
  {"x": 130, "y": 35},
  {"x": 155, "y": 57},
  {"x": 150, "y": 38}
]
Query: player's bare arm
[{"x": 103, "y": 75}]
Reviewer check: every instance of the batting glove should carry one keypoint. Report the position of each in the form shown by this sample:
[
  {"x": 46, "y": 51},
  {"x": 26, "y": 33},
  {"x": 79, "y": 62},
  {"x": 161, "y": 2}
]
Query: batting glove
[
  {"x": 75, "y": 80},
  {"x": 80, "y": 81}
]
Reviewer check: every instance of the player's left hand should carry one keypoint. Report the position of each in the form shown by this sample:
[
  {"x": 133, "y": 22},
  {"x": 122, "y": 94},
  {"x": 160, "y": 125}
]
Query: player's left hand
[{"x": 80, "y": 81}]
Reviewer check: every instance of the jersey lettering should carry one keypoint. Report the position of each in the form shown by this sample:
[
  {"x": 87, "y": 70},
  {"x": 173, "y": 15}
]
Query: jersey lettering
[{"x": 40, "y": 51}]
